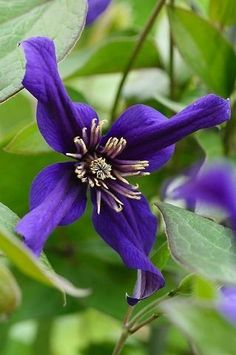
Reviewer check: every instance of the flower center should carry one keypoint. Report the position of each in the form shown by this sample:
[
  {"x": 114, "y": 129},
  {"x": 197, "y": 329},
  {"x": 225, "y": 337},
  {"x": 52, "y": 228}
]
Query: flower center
[
  {"x": 100, "y": 168},
  {"x": 94, "y": 170}
]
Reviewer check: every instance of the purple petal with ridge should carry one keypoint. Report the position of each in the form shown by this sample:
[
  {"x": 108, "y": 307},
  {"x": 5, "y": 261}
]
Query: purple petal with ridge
[
  {"x": 150, "y": 135},
  {"x": 59, "y": 119},
  {"x": 131, "y": 233},
  {"x": 55, "y": 199}
]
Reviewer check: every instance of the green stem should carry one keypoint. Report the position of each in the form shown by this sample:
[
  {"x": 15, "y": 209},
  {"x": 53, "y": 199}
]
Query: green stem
[
  {"x": 145, "y": 322},
  {"x": 150, "y": 308},
  {"x": 171, "y": 62},
  {"x": 43, "y": 338},
  {"x": 120, "y": 344},
  {"x": 130, "y": 327},
  {"x": 125, "y": 332},
  {"x": 135, "y": 52}
]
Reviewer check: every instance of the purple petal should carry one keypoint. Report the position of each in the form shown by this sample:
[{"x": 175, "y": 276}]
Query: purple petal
[
  {"x": 146, "y": 285},
  {"x": 148, "y": 133},
  {"x": 216, "y": 186},
  {"x": 95, "y": 9},
  {"x": 134, "y": 125},
  {"x": 59, "y": 119},
  {"x": 56, "y": 198},
  {"x": 227, "y": 303},
  {"x": 131, "y": 233}
]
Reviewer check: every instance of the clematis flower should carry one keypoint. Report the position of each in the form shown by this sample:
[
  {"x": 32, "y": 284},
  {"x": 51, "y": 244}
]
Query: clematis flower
[
  {"x": 95, "y": 9},
  {"x": 215, "y": 185},
  {"x": 227, "y": 303},
  {"x": 138, "y": 143}
]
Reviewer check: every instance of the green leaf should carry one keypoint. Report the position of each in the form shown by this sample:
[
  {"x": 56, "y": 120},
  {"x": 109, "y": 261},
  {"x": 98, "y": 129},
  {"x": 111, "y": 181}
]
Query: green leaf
[
  {"x": 204, "y": 49},
  {"x": 24, "y": 259},
  {"x": 109, "y": 57},
  {"x": 211, "y": 143},
  {"x": 198, "y": 287},
  {"x": 28, "y": 141},
  {"x": 61, "y": 20},
  {"x": 14, "y": 114},
  {"x": 17, "y": 175},
  {"x": 161, "y": 256},
  {"x": 206, "y": 329},
  {"x": 200, "y": 245},
  {"x": 223, "y": 12},
  {"x": 10, "y": 294}
]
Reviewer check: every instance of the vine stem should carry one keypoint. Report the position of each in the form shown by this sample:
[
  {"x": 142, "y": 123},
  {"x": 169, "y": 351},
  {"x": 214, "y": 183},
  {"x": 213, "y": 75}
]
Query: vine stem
[
  {"x": 171, "y": 61},
  {"x": 135, "y": 52},
  {"x": 145, "y": 322},
  {"x": 125, "y": 332},
  {"x": 151, "y": 307},
  {"x": 132, "y": 326}
]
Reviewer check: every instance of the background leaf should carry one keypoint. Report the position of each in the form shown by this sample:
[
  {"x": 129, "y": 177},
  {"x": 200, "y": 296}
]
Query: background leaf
[
  {"x": 199, "y": 244},
  {"x": 204, "y": 49},
  {"x": 24, "y": 259},
  {"x": 110, "y": 56},
  {"x": 10, "y": 293},
  {"x": 203, "y": 325},
  {"x": 14, "y": 114},
  {"x": 211, "y": 143},
  {"x": 28, "y": 141},
  {"x": 223, "y": 12},
  {"x": 35, "y": 18}
]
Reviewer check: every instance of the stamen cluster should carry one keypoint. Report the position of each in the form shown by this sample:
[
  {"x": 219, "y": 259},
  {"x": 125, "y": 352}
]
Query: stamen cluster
[{"x": 99, "y": 167}]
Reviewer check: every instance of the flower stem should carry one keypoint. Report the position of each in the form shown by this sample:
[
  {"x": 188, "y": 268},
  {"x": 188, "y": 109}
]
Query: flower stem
[
  {"x": 171, "y": 62},
  {"x": 125, "y": 332},
  {"x": 150, "y": 308},
  {"x": 132, "y": 326},
  {"x": 135, "y": 52},
  {"x": 145, "y": 322}
]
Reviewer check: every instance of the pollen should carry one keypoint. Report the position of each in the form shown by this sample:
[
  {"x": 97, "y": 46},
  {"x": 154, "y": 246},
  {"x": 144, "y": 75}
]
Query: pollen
[{"x": 101, "y": 168}]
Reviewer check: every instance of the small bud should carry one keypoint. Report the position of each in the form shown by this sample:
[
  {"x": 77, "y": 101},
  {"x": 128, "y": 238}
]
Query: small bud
[{"x": 10, "y": 294}]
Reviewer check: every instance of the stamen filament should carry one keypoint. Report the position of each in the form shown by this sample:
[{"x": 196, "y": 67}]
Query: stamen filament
[
  {"x": 80, "y": 145},
  {"x": 113, "y": 196},
  {"x": 126, "y": 192},
  {"x": 74, "y": 155},
  {"x": 98, "y": 198},
  {"x": 114, "y": 146},
  {"x": 112, "y": 203}
]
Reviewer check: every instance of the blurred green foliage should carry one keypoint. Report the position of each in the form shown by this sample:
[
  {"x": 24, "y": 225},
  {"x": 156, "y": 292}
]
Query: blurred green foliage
[{"x": 204, "y": 61}]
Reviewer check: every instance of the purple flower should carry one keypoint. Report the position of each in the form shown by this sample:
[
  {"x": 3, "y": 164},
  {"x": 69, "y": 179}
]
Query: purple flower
[
  {"x": 216, "y": 186},
  {"x": 95, "y": 9},
  {"x": 227, "y": 303},
  {"x": 139, "y": 142}
]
